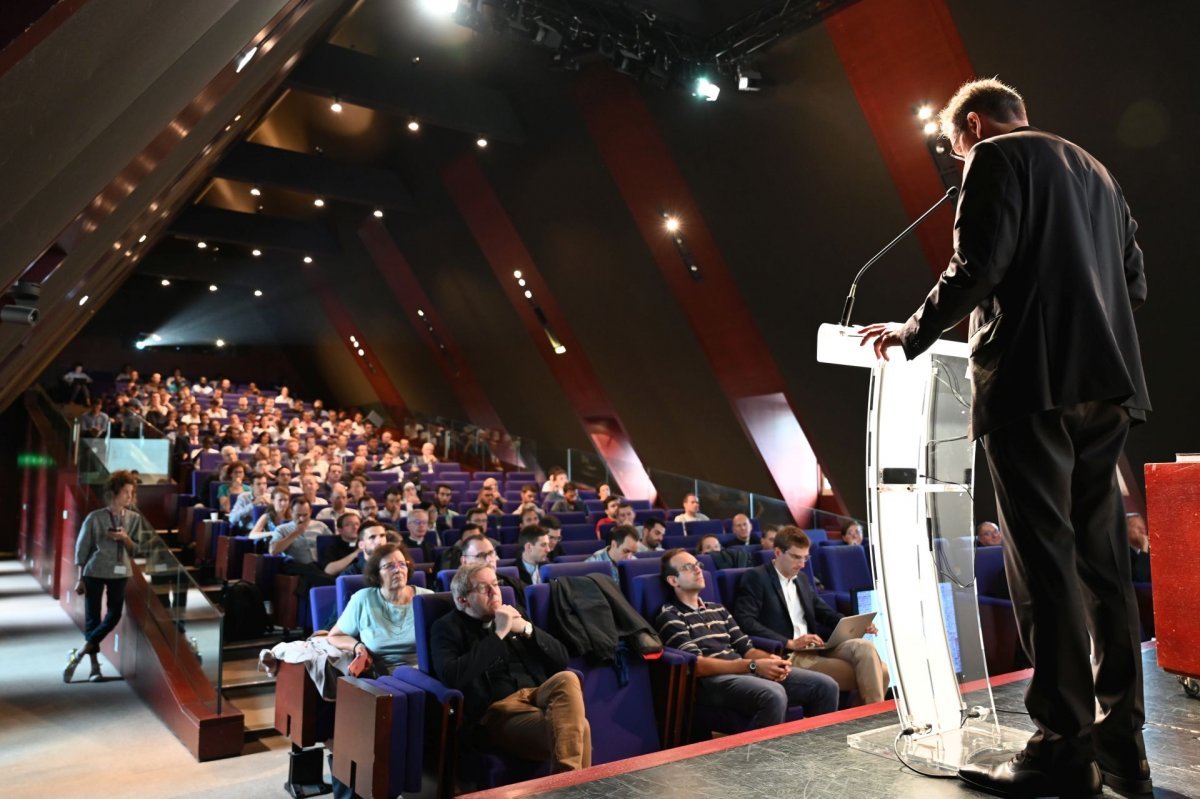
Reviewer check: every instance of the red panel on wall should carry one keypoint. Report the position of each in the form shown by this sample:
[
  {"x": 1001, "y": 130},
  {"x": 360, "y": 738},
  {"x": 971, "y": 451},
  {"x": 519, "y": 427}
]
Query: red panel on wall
[
  {"x": 505, "y": 252},
  {"x": 898, "y": 55},
  {"x": 1173, "y": 521},
  {"x": 398, "y": 273},
  {"x": 651, "y": 184}
]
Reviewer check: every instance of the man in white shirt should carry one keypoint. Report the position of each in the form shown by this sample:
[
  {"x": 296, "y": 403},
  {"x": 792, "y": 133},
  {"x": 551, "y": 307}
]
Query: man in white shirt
[{"x": 691, "y": 510}]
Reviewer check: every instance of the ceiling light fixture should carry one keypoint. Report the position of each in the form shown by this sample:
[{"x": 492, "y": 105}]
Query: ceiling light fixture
[
  {"x": 414, "y": 125},
  {"x": 255, "y": 191},
  {"x": 931, "y": 128},
  {"x": 361, "y": 352},
  {"x": 558, "y": 347},
  {"x": 142, "y": 238},
  {"x": 308, "y": 259},
  {"x": 212, "y": 286},
  {"x": 707, "y": 90},
  {"x": 481, "y": 142},
  {"x": 336, "y": 106},
  {"x": 379, "y": 213},
  {"x": 671, "y": 224},
  {"x": 244, "y": 59},
  {"x": 256, "y": 252},
  {"x": 442, "y": 8},
  {"x": 258, "y": 292},
  {"x": 165, "y": 282},
  {"x": 319, "y": 202},
  {"x": 925, "y": 112},
  {"x": 83, "y": 300},
  {"x": 203, "y": 245},
  {"x": 220, "y": 342}
]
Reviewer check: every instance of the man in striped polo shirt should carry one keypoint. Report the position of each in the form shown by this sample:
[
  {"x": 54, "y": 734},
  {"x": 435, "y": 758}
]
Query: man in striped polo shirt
[{"x": 732, "y": 672}]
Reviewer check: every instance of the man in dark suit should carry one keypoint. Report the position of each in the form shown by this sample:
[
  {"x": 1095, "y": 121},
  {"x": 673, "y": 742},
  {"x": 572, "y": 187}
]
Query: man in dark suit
[
  {"x": 776, "y": 601},
  {"x": 1046, "y": 261},
  {"x": 518, "y": 696}
]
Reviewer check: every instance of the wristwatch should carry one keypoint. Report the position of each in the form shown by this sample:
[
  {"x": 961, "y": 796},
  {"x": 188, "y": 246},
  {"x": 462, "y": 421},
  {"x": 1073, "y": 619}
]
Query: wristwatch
[
  {"x": 528, "y": 631},
  {"x": 754, "y": 667}
]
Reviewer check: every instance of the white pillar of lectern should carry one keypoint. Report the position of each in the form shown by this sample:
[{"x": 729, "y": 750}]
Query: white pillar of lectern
[{"x": 908, "y": 584}]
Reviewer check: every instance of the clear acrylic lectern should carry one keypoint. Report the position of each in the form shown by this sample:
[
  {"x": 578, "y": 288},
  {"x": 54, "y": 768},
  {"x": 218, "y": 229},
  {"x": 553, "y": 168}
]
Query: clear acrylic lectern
[{"x": 921, "y": 534}]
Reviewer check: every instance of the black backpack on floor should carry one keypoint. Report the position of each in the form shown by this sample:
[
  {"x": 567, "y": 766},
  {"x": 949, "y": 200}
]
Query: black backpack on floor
[{"x": 245, "y": 614}]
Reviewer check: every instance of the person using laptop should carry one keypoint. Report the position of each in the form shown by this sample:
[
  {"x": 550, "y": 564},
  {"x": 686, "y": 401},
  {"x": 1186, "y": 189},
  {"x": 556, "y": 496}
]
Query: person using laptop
[{"x": 776, "y": 600}]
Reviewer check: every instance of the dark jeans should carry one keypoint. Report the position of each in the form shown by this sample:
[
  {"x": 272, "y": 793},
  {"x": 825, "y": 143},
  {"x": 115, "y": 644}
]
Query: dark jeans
[
  {"x": 95, "y": 628},
  {"x": 1067, "y": 561}
]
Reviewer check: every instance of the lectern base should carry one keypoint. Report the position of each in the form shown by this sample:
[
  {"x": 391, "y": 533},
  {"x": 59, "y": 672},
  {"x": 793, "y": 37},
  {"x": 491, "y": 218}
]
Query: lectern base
[{"x": 942, "y": 752}]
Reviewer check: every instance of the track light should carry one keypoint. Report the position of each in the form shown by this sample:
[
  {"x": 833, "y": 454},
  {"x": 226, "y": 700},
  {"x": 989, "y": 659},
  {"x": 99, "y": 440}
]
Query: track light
[
  {"x": 558, "y": 347},
  {"x": 748, "y": 80},
  {"x": 220, "y": 342},
  {"x": 83, "y": 300},
  {"x": 925, "y": 112},
  {"x": 258, "y": 292},
  {"x": 308, "y": 259},
  {"x": 202, "y": 245},
  {"x": 414, "y": 125},
  {"x": 256, "y": 252},
  {"x": 671, "y": 224},
  {"x": 481, "y": 142},
  {"x": 165, "y": 282},
  {"x": 319, "y": 202},
  {"x": 378, "y": 213},
  {"x": 336, "y": 106},
  {"x": 931, "y": 128},
  {"x": 707, "y": 90},
  {"x": 212, "y": 287},
  {"x": 255, "y": 191}
]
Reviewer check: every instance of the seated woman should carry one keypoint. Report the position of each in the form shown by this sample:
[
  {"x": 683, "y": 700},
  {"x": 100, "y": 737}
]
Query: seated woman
[
  {"x": 279, "y": 512},
  {"x": 377, "y": 624},
  {"x": 235, "y": 483}
]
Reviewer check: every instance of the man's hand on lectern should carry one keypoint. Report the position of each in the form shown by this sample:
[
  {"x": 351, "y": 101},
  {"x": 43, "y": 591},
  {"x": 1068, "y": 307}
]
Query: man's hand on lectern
[{"x": 882, "y": 335}]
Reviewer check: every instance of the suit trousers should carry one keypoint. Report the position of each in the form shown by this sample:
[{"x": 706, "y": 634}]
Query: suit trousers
[
  {"x": 1067, "y": 562},
  {"x": 546, "y": 722},
  {"x": 853, "y": 665}
]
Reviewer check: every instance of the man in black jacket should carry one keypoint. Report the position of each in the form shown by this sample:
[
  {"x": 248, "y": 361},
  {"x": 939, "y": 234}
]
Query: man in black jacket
[
  {"x": 518, "y": 695},
  {"x": 1046, "y": 261},
  {"x": 775, "y": 600}
]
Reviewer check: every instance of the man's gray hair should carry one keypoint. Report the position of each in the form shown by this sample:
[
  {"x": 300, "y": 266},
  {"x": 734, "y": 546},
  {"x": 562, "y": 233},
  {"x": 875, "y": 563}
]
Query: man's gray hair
[
  {"x": 464, "y": 580},
  {"x": 988, "y": 97}
]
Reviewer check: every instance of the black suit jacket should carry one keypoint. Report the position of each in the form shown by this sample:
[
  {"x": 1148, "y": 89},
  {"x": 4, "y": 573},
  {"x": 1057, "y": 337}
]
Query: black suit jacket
[
  {"x": 468, "y": 655},
  {"x": 760, "y": 609},
  {"x": 1046, "y": 263}
]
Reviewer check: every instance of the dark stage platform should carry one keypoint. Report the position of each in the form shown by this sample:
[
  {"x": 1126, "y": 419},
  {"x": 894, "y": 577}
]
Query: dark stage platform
[{"x": 811, "y": 759}]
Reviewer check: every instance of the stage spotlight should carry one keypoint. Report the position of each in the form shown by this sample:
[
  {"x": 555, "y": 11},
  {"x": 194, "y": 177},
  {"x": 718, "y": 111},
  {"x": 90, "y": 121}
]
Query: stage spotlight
[
  {"x": 931, "y": 128},
  {"x": 203, "y": 245},
  {"x": 378, "y": 213},
  {"x": 142, "y": 238},
  {"x": 255, "y": 191},
  {"x": 212, "y": 287},
  {"x": 165, "y": 282},
  {"x": 319, "y": 202},
  {"x": 308, "y": 259},
  {"x": 83, "y": 300},
  {"x": 558, "y": 347},
  {"x": 220, "y": 342},
  {"x": 256, "y": 252},
  {"x": 258, "y": 292},
  {"x": 336, "y": 106},
  {"x": 361, "y": 352},
  {"x": 925, "y": 112},
  {"x": 707, "y": 90},
  {"x": 481, "y": 142},
  {"x": 420, "y": 313},
  {"x": 748, "y": 80},
  {"x": 442, "y": 8},
  {"x": 672, "y": 224},
  {"x": 155, "y": 338},
  {"x": 141, "y": 345},
  {"x": 414, "y": 125},
  {"x": 521, "y": 282},
  {"x": 517, "y": 274}
]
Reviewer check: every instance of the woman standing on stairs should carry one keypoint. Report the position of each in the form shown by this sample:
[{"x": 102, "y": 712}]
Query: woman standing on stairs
[{"x": 102, "y": 554}]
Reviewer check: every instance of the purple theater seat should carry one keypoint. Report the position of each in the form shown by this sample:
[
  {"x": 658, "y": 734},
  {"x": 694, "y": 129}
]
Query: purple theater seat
[
  {"x": 571, "y": 558},
  {"x": 845, "y": 571},
  {"x": 579, "y": 532},
  {"x": 322, "y": 606},
  {"x": 553, "y": 570},
  {"x": 584, "y": 547},
  {"x": 380, "y": 734}
]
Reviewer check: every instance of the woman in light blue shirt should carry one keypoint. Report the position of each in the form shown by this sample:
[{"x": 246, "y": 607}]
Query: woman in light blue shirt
[{"x": 377, "y": 623}]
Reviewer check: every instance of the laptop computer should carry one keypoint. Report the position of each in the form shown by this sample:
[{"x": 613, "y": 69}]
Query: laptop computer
[{"x": 849, "y": 628}]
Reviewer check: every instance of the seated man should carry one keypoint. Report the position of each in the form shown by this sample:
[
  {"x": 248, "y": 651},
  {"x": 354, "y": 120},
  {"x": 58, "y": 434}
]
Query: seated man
[
  {"x": 95, "y": 422},
  {"x": 570, "y": 503},
  {"x": 297, "y": 542},
  {"x": 519, "y": 699},
  {"x": 241, "y": 515},
  {"x": 732, "y": 673},
  {"x": 710, "y": 545},
  {"x": 769, "y": 532},
  {"x": 535, "y": 551},
  {"x": 476, "y": 548},
  {"x": 553, "y": 528},
  {"x": 652, "y": 535},
  {"x": 852, "y": 534},
  {"x": 611, "y": 506},
  {"x": 419, "y": 539},
  {"x": 775, "y": 600},
  {"x": 987, "y": 534},
  {"x": 371, "y": 533},
  {"x": 622, "y": 545},
  {"x": 345, "y": 550},
  {"x": 691, "y": 510},
  {"x": 743, "y": 531},
  {"x": 339, "y": 503}
]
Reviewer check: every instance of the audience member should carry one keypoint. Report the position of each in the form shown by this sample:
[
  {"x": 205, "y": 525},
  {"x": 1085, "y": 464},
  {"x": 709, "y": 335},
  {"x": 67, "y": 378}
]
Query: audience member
[
  {"x": 519, "y": 699},
  {"x": 743, "y": 530},
  {"x": 1139, "y": 547},
  {"x": 297, "y": 542},
  {"x": 769, "y": 532},
  {"x": 95, "y": 422},
  {"x": 441, "y": 508},
  {"x": 556, "y": 478},
  {"x": 278, "y": 513},
  {"x": 732, "y": 672},
  {"x": 535, "y": 551},
  {"x": 241, "y": 515},
  {"x": 691, "y": 510},
  {"x": 852, "y": 534},
  {"x": 987, "y": 534},
  {"x": 776, "y": 601},
  {"x": 553, "y": 528},
  {"x": 611, "y": 505},
  {"x": 339, "y": 503},
  {"x": 78, "y": 385},
  {"x": 570, "y": 502},
  {"x": 372, "y": 534},
  {"x": 234, "y": 485},
  {"x": 622, "y": 545},
  {"x": 420, "y": 540},
  {"x": 652, "y": 535},
  {"x": 342, "y": 551}
]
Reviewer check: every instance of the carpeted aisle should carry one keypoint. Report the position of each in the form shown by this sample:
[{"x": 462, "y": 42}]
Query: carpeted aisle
[{"x": 95, "y": 740}]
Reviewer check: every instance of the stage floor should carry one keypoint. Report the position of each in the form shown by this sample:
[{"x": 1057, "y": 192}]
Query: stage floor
[{"x": 801, "y": 759}]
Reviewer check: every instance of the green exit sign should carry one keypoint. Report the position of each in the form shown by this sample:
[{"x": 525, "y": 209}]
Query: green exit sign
[{"x": 34, "y": 460}]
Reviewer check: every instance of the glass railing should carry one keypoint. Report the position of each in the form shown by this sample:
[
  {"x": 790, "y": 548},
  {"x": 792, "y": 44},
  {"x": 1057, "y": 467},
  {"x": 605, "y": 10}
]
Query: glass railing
[
  {"x": 183, "y": 614},
  {"x": 473, "y": 446}
]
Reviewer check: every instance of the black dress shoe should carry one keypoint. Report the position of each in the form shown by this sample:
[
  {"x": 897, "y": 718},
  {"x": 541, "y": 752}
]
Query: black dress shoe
[
  {"x": 1023, "y": 776},
  {"x": 1136, "y": 783}
]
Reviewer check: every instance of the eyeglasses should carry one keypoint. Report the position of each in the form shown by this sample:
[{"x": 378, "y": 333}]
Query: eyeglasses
[
  {"x": 484, "y": 589},
  {"x": 694, "y": 566},
  {"x": 394, "y": 566},
  {"x": 798, "y": 558},
  {"x": 491, "y": 553}
]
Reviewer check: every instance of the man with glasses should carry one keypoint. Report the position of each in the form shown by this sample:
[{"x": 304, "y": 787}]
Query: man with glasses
[
  {"x": 733, "y": 673},
  {"x": 419, "y": 539},
  {"x": 777, "y": 601},
  {"x": 478, "y": 549},
  {"x": 1047, "y": 264},
  {"x": 553, "y": 528},
  {"x": 518, "y": 697}
]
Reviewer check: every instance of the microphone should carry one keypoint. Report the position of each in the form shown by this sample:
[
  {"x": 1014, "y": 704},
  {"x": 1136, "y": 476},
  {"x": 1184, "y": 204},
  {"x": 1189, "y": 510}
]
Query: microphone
[{"x": 848, "y": 308}]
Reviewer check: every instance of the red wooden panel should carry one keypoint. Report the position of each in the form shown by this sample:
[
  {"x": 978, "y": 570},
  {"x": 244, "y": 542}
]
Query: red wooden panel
[
  {"x": 899, "y": 54},
  {"x": 1173, "y": 519},
  {"x": 501, "y": 245},
  {"x": 650, "y": 182}
]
